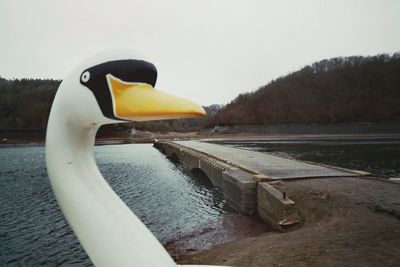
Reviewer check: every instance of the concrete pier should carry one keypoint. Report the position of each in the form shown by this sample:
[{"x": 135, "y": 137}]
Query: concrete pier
[{"x": 247, "y": 178}]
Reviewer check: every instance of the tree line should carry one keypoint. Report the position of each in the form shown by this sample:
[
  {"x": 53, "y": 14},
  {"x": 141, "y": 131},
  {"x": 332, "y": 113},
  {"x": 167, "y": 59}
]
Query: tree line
[
  {"x": 332, "y": 90},
  {"x": 25, "y": 105}
]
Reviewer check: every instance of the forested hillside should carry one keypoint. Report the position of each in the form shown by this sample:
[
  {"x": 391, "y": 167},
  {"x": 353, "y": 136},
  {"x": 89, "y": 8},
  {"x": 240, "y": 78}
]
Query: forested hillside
[
  {"x": 333, "y": 90},
  {"x": 25, "y": 104}
]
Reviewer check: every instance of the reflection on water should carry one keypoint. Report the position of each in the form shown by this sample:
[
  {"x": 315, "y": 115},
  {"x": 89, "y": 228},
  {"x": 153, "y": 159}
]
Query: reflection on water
[
  {"x": 33, "y": 230},
  {"x": 379, "y": 157}
]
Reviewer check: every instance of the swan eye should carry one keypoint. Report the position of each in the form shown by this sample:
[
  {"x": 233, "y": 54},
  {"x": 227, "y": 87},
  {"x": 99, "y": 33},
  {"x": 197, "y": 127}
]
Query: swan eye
[{"x": 85, "y": 76}]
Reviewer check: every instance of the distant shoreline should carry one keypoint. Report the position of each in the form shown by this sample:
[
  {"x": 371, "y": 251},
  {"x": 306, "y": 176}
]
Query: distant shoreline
[
  {"x": 221, "y": 138},
  {"x": 287, "y": 131}
]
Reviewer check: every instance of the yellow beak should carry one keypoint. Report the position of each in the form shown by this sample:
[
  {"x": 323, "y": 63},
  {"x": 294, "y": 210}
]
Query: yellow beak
[{"x": 139, "y": 102}]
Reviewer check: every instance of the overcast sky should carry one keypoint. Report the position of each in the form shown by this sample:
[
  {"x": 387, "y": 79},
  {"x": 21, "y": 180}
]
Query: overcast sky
[{"x": 205, "y": 50}]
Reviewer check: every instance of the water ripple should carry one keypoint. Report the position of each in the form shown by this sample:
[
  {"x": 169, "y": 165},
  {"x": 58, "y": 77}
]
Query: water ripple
[{"x": 34, "y": 232}]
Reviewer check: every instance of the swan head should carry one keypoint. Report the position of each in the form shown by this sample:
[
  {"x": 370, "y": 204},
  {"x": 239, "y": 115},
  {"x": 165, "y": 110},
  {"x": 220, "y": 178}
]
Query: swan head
[
  {"x": 109, "y": 87},
  {"x": 117, "y": 86}
]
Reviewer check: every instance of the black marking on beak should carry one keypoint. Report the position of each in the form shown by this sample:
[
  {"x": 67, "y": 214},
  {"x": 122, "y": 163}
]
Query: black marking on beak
[{"x": 129, "y": 70}]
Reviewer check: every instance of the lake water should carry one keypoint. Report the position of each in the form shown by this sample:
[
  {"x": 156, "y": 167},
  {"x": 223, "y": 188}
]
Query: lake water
[
  {"x": 379, "y": 157},
  {"x": 34, "y": 232}
]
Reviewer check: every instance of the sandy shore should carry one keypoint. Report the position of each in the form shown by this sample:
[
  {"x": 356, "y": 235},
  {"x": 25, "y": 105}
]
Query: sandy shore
[{"x": 347, "y": 222}]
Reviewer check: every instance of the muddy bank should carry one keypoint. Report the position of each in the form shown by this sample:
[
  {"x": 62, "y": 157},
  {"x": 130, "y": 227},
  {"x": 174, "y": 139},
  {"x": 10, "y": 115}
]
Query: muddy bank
[
  {"x": 347, "y": 222},
  {"x": 229, "y": 227}
]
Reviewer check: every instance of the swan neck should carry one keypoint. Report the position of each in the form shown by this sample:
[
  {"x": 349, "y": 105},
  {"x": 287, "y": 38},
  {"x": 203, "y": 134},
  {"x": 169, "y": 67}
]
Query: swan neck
[
  {"x": 99, "y": 218},
  {"x": 70, "y": 139}
]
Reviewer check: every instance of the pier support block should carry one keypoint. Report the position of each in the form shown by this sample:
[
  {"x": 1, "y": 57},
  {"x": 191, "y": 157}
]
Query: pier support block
[
  {"x": 240, "y": 191},
  {"x": 275, "y": 208}
]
